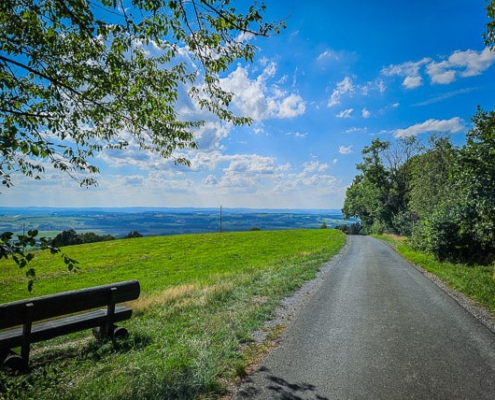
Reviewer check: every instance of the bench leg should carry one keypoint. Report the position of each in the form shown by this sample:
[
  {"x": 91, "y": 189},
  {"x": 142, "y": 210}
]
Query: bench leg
[
  {"x": 26, "y": 337},
  {"x": 119, "y": 333},
  {"x": 113, "y": 332},
  {"x": 12, "y": 362}
]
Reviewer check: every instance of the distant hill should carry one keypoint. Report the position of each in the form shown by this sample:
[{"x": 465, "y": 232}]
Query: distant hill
[{"x": 162, "y": 221}]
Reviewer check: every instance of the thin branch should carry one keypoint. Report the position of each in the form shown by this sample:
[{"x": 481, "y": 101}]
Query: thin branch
[
  {"x": 236, "y": 26},
  {"x": 26, "y": 114},
  {"x": 75, "y": 18},
  {"x": 40, "y": 74}
]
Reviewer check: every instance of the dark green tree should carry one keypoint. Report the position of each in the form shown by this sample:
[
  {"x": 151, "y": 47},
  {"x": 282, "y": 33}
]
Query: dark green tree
[
  {"x": 461, "y": 227},
  {"x": 474, "y": 183},
  {"x": 431, "y": 176},
  {"x": 91, "y": 237},
  {"x": 489, "y": 35},
  {"x": 133, "y": 234},
  {"x": 378, "y": 196},
  {"x": 68, "y": 238}
]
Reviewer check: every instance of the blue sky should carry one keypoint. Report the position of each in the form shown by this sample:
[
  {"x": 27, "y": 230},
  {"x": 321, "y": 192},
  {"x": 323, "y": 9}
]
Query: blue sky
[{"x": 340, "y": 75}]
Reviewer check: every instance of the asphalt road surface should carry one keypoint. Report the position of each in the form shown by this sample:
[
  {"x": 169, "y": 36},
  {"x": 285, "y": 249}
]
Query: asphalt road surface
[{"x": 377, "y": 328}]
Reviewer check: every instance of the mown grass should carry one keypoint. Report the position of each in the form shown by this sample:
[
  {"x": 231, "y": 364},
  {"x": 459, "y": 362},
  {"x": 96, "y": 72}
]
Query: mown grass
[
  {"x": 476, "y": 282},
  {"x": 202, "y": 298}
]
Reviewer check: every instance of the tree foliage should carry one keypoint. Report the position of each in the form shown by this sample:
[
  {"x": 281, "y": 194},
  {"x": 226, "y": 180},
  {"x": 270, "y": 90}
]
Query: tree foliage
[
  {"x": 379, "y": 195},
  {"x": 430, "y": 175},
  {"x": 449, "y": 192},
  {"x": 489, "y": 35},
  {"x": 15, "y": 248},
  {"x": 81, "y": 76},
  {"x": 71, "y": 237},
  {"x": 132, "y": 235}
]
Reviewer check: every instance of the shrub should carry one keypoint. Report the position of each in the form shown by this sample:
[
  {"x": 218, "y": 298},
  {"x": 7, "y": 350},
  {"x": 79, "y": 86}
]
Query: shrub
[{"x": 133, "y": 234}]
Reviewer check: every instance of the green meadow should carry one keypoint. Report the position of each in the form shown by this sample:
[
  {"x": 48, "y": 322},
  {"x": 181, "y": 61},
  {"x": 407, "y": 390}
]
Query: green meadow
[{"x": 191, "y": 335}]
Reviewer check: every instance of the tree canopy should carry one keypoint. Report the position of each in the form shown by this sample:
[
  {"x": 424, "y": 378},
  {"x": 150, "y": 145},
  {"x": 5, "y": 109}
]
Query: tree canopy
[
  {"x": 442, "y": 196},
  {"x": 447, "y": 194},
  {"x": 79, "y": 76}
]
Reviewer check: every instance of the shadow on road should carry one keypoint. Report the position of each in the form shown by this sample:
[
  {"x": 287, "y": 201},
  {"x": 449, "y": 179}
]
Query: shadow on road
[{"x": 274, "y": 387}]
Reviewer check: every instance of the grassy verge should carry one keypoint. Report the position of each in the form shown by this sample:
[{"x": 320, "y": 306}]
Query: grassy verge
[
  {"x": 476, "y": 282},
  {"x": 191, "y": 333}
]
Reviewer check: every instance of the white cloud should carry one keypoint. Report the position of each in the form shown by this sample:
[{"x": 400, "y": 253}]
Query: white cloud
[
  {"x": 460, "y": 64},
  {"x": 412, "y": 82},
  {"x": 356, "y": 129},
  {"x": 327, "y": 54},
  {"x": 347, "y": 87},
  {"x": 343, "y": 87},
  {"x": 452, "y": 125},
  {"x": 345, "y": 149},
  {"x": 314, "y": 166},
  {"x": 260, "y": 100},
  {"x": 365, "y": 113},
  {"x": 409, "y": 70},
  {"x": 345, "y": 113},
  {"x": 291, "y": 106}
]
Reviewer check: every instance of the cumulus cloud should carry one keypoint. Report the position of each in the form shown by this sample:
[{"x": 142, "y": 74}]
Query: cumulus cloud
[
  {"x": 345, "y": 149},
  {"x": 365, "y": 113},
  {"x": 210, "y": 135},
  {"x": 409, "y": 70},
  {"x": 315, "y": 166},
  {"x": 452, "y": 125},
  {"x": 258, "y": 98},
  {"x": 460, "y": 64}
]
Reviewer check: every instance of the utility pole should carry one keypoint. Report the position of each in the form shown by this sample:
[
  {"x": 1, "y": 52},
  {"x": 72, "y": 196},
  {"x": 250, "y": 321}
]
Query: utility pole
[{"x": 221, "y": 222}]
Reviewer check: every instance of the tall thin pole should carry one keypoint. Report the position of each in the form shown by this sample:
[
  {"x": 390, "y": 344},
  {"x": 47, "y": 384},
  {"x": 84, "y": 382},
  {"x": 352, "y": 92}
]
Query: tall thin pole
[{"x": 221, "y": 222}]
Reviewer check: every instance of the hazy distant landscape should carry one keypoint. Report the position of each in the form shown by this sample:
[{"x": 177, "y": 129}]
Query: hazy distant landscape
[{"x": 161, "y": 221}]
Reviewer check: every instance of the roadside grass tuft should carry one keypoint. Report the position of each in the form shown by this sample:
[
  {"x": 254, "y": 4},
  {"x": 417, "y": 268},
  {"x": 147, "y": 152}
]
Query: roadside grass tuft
[{"x": 202, "y": 298}]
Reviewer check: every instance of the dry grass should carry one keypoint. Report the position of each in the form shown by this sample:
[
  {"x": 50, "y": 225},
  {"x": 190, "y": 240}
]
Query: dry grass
[{"x": 180, "y": 296}]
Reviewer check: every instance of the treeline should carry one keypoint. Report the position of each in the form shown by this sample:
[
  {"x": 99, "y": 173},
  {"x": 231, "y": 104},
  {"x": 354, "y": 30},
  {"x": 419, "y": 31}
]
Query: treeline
[
  {"x": 71, "y": 237},
  {"x": 440, "y": 195}
]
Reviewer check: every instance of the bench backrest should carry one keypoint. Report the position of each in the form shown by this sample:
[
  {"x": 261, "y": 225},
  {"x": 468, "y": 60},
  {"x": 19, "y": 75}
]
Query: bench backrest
[{"x": 55, "y": 305}]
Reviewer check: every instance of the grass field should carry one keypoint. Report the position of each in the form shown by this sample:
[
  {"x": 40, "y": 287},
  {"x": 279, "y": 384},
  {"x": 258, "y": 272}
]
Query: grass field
[{"x": 202, "y": 298}]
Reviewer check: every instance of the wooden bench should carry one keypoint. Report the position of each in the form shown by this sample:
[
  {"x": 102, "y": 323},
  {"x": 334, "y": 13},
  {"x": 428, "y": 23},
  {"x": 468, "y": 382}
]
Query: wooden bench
[{"x": 42, "y": 318}]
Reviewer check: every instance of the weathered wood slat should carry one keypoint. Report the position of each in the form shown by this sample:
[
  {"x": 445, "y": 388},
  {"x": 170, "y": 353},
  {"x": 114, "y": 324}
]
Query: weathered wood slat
[
  {"x": 29, "y": 321},
  {"x": 45, "y": 307},
  {"x": 62, "y": 326}
]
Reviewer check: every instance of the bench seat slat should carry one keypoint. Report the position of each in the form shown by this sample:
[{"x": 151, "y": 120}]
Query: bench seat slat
[
  {"x": 50, "y": 306},
  {"x": 53, "y": 328}
]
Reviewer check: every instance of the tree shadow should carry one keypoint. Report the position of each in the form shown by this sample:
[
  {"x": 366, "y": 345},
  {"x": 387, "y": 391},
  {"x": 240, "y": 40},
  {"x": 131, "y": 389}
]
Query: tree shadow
[{"x": 277, "y": 388}]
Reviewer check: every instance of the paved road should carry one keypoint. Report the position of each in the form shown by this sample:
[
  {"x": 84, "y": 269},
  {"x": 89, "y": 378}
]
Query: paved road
[{"x": 378, "y": 329}]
